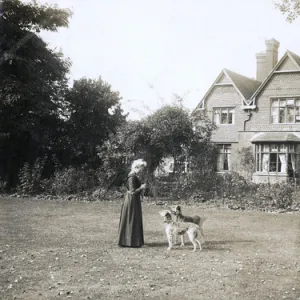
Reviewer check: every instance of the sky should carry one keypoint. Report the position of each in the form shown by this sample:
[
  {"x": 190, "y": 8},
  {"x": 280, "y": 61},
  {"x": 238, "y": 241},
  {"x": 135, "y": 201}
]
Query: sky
[{"x": 152, "y": 50}]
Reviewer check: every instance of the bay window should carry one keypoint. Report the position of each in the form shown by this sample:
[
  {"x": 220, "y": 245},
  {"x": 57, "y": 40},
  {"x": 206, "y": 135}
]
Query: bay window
[{"x": 275, "y": 158}]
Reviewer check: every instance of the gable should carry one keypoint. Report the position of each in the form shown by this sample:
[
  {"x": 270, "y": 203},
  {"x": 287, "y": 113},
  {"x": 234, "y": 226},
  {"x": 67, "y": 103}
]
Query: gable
[
  {"x": 287, "y": 65},
  {"x": 242, "y": 85},
  {"x": 224, "y": 79}
]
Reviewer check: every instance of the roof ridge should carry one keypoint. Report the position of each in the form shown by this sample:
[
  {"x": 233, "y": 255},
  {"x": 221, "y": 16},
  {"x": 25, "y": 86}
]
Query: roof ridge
[{"x": 252, "y": 79}]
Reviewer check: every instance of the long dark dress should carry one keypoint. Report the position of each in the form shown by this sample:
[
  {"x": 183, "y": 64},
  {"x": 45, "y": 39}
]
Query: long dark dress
[{"x": 131, "y": 232}]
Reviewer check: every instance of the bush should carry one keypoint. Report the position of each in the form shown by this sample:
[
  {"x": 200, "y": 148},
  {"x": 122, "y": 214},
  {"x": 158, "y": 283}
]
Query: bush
[
  {"x": 72, "y": 181},
  {"x": 30, "y": 178},
  {"x": 278, "y": 195},
  {"x": 3, "y": 186}
]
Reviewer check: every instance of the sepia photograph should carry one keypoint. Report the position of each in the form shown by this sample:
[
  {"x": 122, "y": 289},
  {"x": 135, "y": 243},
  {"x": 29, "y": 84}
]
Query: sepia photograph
[{"x": 149, "y": 149}]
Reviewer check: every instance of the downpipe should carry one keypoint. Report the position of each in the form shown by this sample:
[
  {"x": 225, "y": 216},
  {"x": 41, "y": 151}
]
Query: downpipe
[{"x": 249, "y": 114}]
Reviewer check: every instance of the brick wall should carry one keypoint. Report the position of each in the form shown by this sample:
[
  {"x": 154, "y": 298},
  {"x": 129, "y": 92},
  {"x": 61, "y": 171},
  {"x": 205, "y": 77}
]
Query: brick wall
[
  {"x": 238, "y": 134},
  {"x": 226, "y": 96},
  {"x": 280, "y": 85}
]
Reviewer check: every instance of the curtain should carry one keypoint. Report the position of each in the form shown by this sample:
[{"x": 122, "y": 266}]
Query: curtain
[
  {"x": 283, "y": 161},
  {"x": 220, "y": 162},
  {"x": 293, "y": 159},
  {"x": 217, "y": 117},
  {"x": 265, "y": 162}
]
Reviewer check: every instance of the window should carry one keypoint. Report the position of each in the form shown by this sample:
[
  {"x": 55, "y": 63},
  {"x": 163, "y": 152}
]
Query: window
[
  {"x": 285, "y": 111},
  {"x": 224, "y": 158},
  {"x": 223, "y": 115},
  {"x": 278, "y": 158}
]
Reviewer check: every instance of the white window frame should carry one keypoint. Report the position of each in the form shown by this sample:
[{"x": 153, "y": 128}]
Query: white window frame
[
  {"x": 270, "y": 155},
  {"x": 223, "y": 157},
  {"x": 220, "y": 111},
  {"x": 280, "y": 108}
]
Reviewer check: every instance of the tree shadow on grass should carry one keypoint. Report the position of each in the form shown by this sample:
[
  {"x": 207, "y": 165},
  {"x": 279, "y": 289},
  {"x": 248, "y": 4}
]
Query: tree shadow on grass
[
  {"x": 208, "y": 245},
  {"x": 156, "y": 244},
  {"x": 223, "y": 245}
]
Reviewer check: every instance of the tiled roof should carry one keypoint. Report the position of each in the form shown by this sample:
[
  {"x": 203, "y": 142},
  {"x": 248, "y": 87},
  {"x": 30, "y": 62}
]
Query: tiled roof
[
  {"x": 247, "y": 86},
  {"x": 275, "y": 137}
]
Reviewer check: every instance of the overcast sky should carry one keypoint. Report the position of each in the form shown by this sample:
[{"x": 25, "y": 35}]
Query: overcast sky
[{"x": 149, "y": 50}]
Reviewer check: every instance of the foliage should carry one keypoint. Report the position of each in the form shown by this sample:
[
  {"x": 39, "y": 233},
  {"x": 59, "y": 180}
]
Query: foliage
[
  {"x": 72, "y": 180},
  {"x": 32, "y": 84},
  {"x": 247, "y": 162},
  {"x": 30, "y": 177},
  {"x": 279, "y": 195},
  {"x": 290, "y": 8},
  {"x": 169, "y": 131},
  {"x": 95, "y": 113}
]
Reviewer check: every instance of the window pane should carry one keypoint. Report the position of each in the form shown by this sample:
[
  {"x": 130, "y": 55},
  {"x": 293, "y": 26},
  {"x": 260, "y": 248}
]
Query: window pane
[
  {"x": 275, "y": 115},
  {"x": 221, "y": 148},
  {"x": 226, "y": 164},
  {"x": 290, "y": 114},
  {"x": 257, "y": 162},
  {"x": 297, "y": 113},
  {"x": 227, "y": 148},
  {"x": 265, "y": 162},
  {"x": 281, "y": 115},
  {"x": 282, "y": 163},
  {"x": 274, "y": 148},
  {"x": 266, "y": 148},
  {"x": 290, "y": 102},
  {"x": 224, "y": 116},
  {"x": 282, "y": 148},
  {"x": 273, "y": 162},
  {"x": 291, "y": 148},
  {"x": 217, "y": 116},
  {"x": 282, "y": 103},
  {"x": 275, "y": 103},
  {"x": 230, "y": 118}
]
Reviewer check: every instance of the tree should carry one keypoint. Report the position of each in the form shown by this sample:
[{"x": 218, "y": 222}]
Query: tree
[
  {"x": 32, "y": 83},
  {"x": 290, "y": 8},
  {"x": 95, "y": 113},
  {"x": 169, "y": 131}
]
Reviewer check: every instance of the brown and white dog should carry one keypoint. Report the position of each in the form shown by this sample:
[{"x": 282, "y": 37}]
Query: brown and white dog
[
  {"x": 180, "y": 228},
  {"x": 176, "y": 210}
]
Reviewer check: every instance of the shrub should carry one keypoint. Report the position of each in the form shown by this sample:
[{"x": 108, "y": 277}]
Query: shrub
[
  {"x": 278, "y": 195},
  {"x": 3, "y": 186},
  {"x": 30, "y": 177},
  {"x": 72, "y": 180}
]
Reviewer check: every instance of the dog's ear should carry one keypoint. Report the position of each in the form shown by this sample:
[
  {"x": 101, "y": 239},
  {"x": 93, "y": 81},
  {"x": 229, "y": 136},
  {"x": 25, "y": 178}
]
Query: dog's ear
[{"x": 178, "y": 208}]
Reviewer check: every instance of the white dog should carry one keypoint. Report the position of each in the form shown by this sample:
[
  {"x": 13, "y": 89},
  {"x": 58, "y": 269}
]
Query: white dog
[{"x": 180, "y": 228}]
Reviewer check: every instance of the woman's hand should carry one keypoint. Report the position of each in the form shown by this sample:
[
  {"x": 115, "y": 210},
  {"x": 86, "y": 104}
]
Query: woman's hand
[{"x": 143, "y": 186}]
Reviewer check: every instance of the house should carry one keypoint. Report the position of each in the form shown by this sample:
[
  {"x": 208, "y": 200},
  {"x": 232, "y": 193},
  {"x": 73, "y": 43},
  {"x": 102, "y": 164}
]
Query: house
[{"x": 258, "y": 116}]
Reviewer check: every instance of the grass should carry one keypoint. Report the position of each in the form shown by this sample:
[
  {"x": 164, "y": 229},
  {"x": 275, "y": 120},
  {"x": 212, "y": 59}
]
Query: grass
[{"x": 62, "y": 250}]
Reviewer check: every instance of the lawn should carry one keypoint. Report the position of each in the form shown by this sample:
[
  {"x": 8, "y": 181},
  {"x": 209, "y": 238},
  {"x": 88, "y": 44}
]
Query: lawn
[{"x": 68, "y": 250}]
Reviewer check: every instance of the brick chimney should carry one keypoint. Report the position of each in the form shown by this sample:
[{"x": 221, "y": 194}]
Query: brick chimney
[{"x": 266, "y": 61}]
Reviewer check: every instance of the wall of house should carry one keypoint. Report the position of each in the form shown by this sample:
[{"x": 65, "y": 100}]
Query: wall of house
[
  {"x": 226, "y": 96},
  {"x": 280, "y": 85}
]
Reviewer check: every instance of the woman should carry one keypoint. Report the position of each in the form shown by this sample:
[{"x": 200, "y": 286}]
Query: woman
[{"x": 131, "y": 221}]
